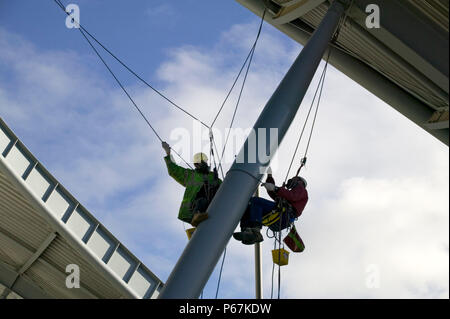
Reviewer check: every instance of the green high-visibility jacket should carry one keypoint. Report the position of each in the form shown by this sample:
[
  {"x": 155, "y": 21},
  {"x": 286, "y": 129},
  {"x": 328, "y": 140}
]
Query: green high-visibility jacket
[{"x": 193, "y": 181}]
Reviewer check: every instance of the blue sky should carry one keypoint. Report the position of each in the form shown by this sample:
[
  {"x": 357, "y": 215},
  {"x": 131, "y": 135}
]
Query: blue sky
[
  {"x": 156, "y": 26},
  {"x": 378, "y": 184}
]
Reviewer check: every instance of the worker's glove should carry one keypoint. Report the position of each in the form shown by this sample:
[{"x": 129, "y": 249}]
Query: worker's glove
[
  {"x": 269, "y": 186},
  {"x": 166, "y": 147}
]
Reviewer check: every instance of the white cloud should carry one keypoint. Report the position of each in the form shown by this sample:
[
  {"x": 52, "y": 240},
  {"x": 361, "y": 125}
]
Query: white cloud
[
  {"x": 398, "y": 225},
  {"x": 378, "y": 184}
]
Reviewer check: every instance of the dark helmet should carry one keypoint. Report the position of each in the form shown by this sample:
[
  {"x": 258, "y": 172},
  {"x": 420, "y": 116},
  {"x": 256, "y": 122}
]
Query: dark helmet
[{"x": 293, "y": 182}]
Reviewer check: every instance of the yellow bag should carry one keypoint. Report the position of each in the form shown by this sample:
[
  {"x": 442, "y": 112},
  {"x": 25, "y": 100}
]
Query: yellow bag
[
  {"x": 189, "y": 232},
  {"x": 280, "y": 256}
]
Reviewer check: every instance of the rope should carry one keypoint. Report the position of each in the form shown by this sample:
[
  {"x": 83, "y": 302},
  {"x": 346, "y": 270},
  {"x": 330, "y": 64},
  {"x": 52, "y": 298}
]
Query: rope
[
  {"x": 334, "y": 39},
  {"x": 235, "y": 110},
  {"x": 249, "y": 59},
  {"x": 220, "y": 273},
  {"x": 85, "y": 32},
  {"x": 306, "y": 121},
  {"x": 273, "y": 270},
  {"x": 58, "y": 2},
  {"x": 277, "y": 240},
  {"x": 249, "y": 55},
  {"x": 317, "y": 108},
  {"x": 249, "y": 174},
  {"x": 121, "y": 85},
  {"x": 318, "y": 89},
  {"x": 215, "y": 148},
  {"x": 279, "y": 260}
]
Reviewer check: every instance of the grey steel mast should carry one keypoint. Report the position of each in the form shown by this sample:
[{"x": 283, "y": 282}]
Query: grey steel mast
[{"x": 203, "y": 251}]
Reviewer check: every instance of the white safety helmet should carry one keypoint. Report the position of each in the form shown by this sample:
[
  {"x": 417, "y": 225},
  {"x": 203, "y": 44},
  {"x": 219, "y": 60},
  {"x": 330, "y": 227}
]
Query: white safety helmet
[{"x": 200, "y": 157}]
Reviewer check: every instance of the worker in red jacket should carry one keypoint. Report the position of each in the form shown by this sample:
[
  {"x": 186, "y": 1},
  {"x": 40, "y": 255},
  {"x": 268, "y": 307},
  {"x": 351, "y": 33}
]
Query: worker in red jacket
[{"x": 294, "y": 193}]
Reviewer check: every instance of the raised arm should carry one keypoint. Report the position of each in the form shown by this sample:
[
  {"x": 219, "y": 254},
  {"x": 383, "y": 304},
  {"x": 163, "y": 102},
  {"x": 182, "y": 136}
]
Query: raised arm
[
  {"x": 271, "y": 180},
  {"x": 178, "y": 173}
]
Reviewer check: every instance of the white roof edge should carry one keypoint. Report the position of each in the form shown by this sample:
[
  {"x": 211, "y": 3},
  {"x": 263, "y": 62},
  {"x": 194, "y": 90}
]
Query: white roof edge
[{"x": 59, "y": 225}]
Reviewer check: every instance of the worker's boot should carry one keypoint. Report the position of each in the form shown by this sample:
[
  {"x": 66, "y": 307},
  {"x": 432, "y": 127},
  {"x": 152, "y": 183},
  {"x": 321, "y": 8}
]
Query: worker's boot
[
  {"x": 198, "y": 218},
  {"x": 249, "y": 236}
]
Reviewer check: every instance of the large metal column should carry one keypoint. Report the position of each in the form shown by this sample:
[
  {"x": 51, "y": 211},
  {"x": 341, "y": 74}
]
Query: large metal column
[{"x": 211, "y": 237}]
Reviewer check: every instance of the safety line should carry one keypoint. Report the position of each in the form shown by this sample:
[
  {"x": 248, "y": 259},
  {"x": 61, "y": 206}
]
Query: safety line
[
  {"x": 221, "y": 268},
  {"x": 317, "y": 108},
  {"x": 306, "y": 120}
]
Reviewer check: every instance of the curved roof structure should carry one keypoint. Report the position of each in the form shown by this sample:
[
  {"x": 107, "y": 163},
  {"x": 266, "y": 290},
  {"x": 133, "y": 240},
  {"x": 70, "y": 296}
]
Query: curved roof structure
[
  {"x": 45, "y": 231},
  {"x": 403, "y": 60}
]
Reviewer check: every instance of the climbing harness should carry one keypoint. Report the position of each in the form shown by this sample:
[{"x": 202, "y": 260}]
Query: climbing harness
[{"x": 273, "y": 220}]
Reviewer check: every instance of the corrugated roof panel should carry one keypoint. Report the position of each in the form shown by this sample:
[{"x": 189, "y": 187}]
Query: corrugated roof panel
[
  {"x": 435, "y": 10},
  {"x": 19, "y": 218},
  {"x": 60, "y": 254},
  {"x": 365, "y": 48},
  {"x": 12, "y": 256},
  {"x": 11, "y": 295},
  {"x": 53, "y": 282},
  {"x": 33, "y": 205},
  {"x": 285, "y": 2}
]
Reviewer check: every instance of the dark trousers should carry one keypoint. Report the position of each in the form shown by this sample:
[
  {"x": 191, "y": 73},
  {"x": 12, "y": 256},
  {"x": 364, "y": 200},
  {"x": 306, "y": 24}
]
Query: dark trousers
[
  {"x": 258, "y": 208},
  {"x": 200, "y": 205}
]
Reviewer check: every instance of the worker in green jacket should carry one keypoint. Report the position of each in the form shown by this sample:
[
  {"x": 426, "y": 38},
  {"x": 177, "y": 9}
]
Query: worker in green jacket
[{"x": 201, "y": 185}]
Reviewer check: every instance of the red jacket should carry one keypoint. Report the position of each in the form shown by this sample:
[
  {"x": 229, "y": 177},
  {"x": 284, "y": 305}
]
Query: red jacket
[{"x": 297, "y": 197}]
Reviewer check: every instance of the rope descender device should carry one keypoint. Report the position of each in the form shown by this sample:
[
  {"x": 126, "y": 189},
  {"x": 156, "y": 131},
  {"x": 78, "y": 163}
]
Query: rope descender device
[{"x": 302, "y": 163}]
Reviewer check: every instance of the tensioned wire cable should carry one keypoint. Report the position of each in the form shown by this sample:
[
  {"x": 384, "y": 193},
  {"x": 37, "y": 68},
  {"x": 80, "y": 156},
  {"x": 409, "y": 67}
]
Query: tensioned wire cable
[
  {"x": 320, "y": 84},
  {"x": 59, "y": 3},
  {"x": 121, "y": 86},
  {"x": 250, "y": 54}
]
